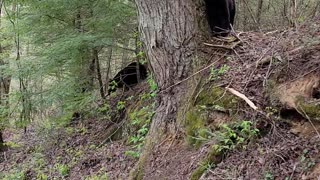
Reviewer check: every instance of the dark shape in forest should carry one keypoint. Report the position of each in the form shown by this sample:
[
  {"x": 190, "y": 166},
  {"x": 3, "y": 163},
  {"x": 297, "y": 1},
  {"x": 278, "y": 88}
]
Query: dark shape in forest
[
  {"x": 220, "y": 14},
  {"x": 128, "y": 77}
]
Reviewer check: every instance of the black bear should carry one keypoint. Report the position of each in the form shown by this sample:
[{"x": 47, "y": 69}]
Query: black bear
[
  {"x": 220, "y": 15},
  {"x": 127, "y": 77}
]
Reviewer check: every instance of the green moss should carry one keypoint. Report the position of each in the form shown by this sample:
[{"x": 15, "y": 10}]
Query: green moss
[
  {"x": 217, "y": 97},
  {"x": 214, "y": 157},
  {"x": 312, "y": 109},
  {"x": 195, "y": 127},
  {"x": 198, "y": 172},
  {"x": 197, "y": 116}
]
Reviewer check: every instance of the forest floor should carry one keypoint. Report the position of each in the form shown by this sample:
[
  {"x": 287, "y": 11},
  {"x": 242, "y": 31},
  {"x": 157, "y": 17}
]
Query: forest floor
[
  {"x": 71, "y": 153},
  {"x": 287, "y": 148}
]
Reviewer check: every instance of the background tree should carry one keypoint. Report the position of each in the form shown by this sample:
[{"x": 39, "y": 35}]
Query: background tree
[
  {"x": 60, "y": 55},
  {"x": 5, "y": 79}
]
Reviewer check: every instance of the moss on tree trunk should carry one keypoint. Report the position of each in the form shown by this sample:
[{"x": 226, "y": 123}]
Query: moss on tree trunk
[{"x": 170, "y": 31}]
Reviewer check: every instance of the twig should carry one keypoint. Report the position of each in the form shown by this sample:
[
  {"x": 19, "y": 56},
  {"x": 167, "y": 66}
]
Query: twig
[
  {"x": 242, "y": 96},
  {"x": 268, "y": 73},
  {"x": 306, "y": 116},
  {"x": 305, "y": 74},
  {"x": 222, "y": 46},
  {"x": 293, "y": 170},
  {"x": 222, "y": 39},
  {"x": 235, "y": 34},
  {"x": 173, "y": 138},
  {"x": 110, "y": 136},
  {"x": 252, "y": 73},
  {"x": 201, "y": 70}
]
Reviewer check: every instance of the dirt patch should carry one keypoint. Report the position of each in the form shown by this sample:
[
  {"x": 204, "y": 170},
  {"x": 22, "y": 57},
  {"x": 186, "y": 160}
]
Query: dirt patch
[
  {"x": 303, "y": 87},
  {"x": 174, "y": 160},
  {"x": 306, "y": 129}
]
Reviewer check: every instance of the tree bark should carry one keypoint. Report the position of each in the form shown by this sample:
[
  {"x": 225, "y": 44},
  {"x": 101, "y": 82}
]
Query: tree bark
[
  {"x": 5, "y": 82},
  {"x": 170, "y": 31},
  {"x": 293, "y": 13},
  {"x": 259, "y": 11}
]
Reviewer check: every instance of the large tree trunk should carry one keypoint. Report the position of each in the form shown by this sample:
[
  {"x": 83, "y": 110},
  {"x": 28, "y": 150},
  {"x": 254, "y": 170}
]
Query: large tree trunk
[{"x": 170, "y": 31}]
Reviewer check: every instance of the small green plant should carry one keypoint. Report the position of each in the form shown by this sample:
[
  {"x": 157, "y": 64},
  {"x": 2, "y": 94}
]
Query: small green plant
[
  {"x": 268, "y": 176},
  {"x": 141, "y": 120},
  {"x": 271, "y": 111},
  {"x": 217, "y": 73},
  {"x": 105, "y": 108},
  {"x": 305, "y": 161},
  {"x": 153, "y": 89},
  {"x": 42, "y": 176},
  {"x": 113, "y": 86},
  {"x": 230, "y": 137},
  {"x": 209, "y": 166},
  {"x": 14, "y": 174},
  {"x": 62, "y": 169},
  {"x": 11, "y": 144},
  {"x": 121, "y": 105}
]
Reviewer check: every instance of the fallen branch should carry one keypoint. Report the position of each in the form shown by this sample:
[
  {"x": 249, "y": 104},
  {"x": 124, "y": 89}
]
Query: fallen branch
[
  {"x": 303, "y": 113},
  {"x": 222, "y": 46},
  {"x": 242, "y": 96}
]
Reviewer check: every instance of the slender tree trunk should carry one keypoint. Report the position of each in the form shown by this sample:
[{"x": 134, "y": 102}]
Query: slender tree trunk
[
  {"x": 101, "y": 89},
  {"x": 316, "y": 10},
  {"x": 259, "y": 11},
  {"x": 137, "y": 51},
  {"x": 110, "y": 52},
  {"x": 170, "y": 31},
  {"x": 124, "y": 58},
  {"x": 293, "y": 13}
]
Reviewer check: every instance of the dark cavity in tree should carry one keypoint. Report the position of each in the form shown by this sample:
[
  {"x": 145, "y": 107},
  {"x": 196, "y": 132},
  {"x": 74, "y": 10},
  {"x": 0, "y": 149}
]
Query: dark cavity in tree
[
  {"x": 220, "y": 15},
  {"x": 128, "y": 77}
]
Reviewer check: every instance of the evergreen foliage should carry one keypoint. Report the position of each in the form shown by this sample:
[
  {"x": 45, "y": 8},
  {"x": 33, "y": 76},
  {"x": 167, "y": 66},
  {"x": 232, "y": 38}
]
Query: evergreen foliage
[{"x": 53, "y": 47}]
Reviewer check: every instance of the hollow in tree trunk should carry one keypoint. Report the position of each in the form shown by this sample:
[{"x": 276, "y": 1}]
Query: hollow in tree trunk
[{"x": 171, "y": 31}]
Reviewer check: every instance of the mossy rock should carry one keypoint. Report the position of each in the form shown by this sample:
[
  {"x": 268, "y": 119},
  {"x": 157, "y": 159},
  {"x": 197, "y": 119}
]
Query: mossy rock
[
  {"x": 195, "y": 126},
  {"x": 309, "y": 108},
  {"x": 197, "y": 117},
  {"x": 217, "y": 97}
]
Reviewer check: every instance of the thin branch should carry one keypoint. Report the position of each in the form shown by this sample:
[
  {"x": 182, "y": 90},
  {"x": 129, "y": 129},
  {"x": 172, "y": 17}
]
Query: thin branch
[
  {"x": 242, "y": 96},
  {"x": 201, "y": 70}
]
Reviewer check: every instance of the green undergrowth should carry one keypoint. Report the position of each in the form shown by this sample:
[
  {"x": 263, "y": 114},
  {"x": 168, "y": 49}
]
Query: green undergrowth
[
  {"x": 140, "y": 119},
  {"x": 227, "y": 138},
  {"x": 309, "y": 109},
  {"x": 210, "y": 100},
  {"x": 140, "y": 116}
]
